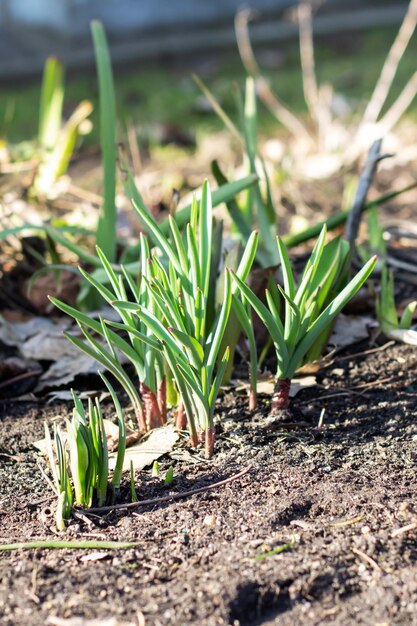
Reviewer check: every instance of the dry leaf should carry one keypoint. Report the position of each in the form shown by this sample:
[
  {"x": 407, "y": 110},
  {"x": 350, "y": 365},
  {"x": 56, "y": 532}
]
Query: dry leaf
[
  {"x": 159, "y": 442},
  {"x": 266, "y": 385},
  {"x": 94, "y": 556},
  {"x": 349, "y": 329},
  {"x": 408, "y": 336}
]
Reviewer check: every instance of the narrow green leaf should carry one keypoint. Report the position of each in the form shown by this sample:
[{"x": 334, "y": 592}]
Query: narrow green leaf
[
  {"x": 106, "y": 229},
  {"x": 121, "y": 447},
  {"x": 267, "y": 318},
  {"x": 205, "y": 238},
  {"x": 194, "y": 347}
]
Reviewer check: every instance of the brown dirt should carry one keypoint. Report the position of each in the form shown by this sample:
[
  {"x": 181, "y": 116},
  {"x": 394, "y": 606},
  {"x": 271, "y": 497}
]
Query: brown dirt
[{"x": 336, "y": 494}]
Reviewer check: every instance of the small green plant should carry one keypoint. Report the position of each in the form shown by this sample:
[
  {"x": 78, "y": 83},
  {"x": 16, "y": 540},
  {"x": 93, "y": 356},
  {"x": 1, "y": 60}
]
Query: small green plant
[
  {"x": 309, "y": 309},
  {"x": 149, "y": 396},
  {"x": 86, "y": 446},
  {"x": 386, "y": 311},
  {"x": 169, "y": 476},
  {"x": 133, "y": 494},
  {"x": 155, "y": 469},
  {"x": 188, "y": 336},
  {"x": 170, "y": 319},
  {"x": 63, "y": 487},
  {"x": 56, "y": 140}
]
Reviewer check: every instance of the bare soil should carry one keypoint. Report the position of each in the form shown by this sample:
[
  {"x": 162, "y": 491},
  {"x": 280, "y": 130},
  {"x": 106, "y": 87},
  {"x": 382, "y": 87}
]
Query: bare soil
[{"x": 331, "y": 496}]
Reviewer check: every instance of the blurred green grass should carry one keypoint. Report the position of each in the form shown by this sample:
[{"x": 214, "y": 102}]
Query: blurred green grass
[{"x": 162, "y": 95}]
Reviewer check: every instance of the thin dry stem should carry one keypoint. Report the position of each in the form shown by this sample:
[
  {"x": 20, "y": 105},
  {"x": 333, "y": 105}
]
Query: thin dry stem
[
  {"x": 134, "y": 149},
  {"x": 401, "y": 104},
  {"x": 389, "y": 69},
  {"x": 277, "y": 108},
  {"x": 311, "y": 94}
]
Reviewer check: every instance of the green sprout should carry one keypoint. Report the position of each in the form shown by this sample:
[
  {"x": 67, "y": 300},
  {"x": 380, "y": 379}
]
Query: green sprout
[
  {"x": 386, "y": 311},
  {"x": 149, "y": 396},
  {"x": 133, "y": 495},
  {"x": 58, "y": 464},
  {"x": 155, "y": 469},
  {"x": 310, "y": 307},
  {"x": 86, "y": 445},
  {"x": 169, "y": 476}
]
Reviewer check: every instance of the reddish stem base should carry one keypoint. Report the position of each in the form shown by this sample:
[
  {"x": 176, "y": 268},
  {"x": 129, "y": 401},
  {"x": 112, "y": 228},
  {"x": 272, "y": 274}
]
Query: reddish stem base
[
  {"x": 162, "y": 400},
  {"x": 181, "y": 419},
  {"x": 281, "y": 395},
  {"x": 152, "y": 414},
  {"x": 252, "y": 400},
  {"x": 209, "y": 447}
]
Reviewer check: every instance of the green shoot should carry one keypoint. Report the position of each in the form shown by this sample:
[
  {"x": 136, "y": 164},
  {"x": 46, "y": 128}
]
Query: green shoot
[
  {"x": 133, "y": 496},
  {"x": 60, "y": 475},
  {"x": 386, "y": 311},
  {"x": 52, "y": 99},
  {"x": 141, "y": 349},
  {"x": 310, "y": 308},
  {"x": 86, "y": 445},
  {"x": 155, "y": 469},
  {"x": 169, "y": 476},
  {"x": 106, "y": 229}
]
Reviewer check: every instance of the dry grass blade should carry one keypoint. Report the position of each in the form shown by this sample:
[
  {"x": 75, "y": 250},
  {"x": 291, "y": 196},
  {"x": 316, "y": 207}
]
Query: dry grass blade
[
  {"x": 277, "y": 108},
  {"x": 400, "y": 105}
]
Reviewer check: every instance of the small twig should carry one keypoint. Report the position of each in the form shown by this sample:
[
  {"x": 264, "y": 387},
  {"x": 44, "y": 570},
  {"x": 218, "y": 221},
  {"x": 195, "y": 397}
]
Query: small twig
[
  {"x": 366, "y": 352},
  {"x": 368, "y": 559},
  {"x": 19, "y": 377},
  {"x": 134, "y": 148},
  {"x": 347, "y": 522},
  {"x": 404, "y": 529},
  {"x": 365, "y": 181},
  {"x": 374, "y": 383},
  {"x": 175, "y": 496}
]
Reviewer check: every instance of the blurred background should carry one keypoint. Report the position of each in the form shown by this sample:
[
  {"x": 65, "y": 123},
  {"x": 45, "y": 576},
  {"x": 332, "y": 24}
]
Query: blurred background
[{"x": 143, "y": 29}]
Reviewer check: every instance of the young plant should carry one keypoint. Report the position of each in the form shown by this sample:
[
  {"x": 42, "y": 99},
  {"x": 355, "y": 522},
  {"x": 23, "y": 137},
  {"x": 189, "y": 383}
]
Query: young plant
[
  {"x": 85, "y": 443},
  {"x": 88, "y": 453},
  {"x": 58, "y": 464},
  {"x": 386, "y": 311},
  {"x": 187, "y": 335},
  {"x": 56, "y": 141},
  {"x": 306, "y": 315},
  {"x": 149, "y": 396}
]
